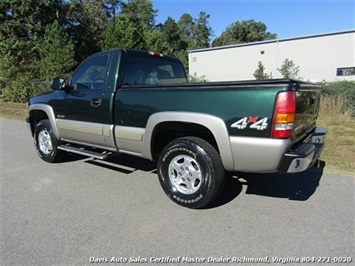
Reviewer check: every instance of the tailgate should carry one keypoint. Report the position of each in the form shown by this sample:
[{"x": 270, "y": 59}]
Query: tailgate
[{"x": 307, "y": 107}]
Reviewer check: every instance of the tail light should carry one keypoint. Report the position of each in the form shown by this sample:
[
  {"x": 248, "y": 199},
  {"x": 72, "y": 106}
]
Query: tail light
[{"x": 284, "y": 115}]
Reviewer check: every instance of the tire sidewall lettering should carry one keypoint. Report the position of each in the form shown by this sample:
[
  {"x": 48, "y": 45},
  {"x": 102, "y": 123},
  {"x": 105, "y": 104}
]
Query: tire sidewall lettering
[
  {"x": 190, "y": 201},
  {"x": 179, "y": 149},
  {"x": 196, "y": 153}
]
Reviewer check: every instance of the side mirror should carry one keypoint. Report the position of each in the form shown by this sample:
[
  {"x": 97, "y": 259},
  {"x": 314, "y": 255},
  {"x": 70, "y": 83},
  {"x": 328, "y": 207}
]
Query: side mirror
[{"x": 57, "y": 84}]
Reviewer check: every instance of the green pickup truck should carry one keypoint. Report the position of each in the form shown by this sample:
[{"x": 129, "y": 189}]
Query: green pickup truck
[{"x": 139, "y": 103}]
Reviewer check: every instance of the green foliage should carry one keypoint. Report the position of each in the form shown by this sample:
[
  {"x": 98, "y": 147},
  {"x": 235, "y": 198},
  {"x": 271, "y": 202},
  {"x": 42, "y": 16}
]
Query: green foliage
[
  {"x": 345, "y": 87},
  {"x": 42, "y": 39},
  {"x": 155, "y": 40},
  {"x": 185, "y": 25},
  {"x": 123, "y": 32},
  {"x": 18, "y": 65},
  {"x": 244, "y": 32},
  {"x": 193, "y": 34},
  {"x": 110, "y": 7},
  {"x": 86, "y": 22},
  {"x": 196, "y": 33},
  {"x": 140, "y": 10},
  {"x": 21, "y": 89},
  {"x": 56, "y": 53},
  {"x": 23, "y": 25},
  {"x": 27, "y": 19},
  {"x": 259, "y": 72},
  {"x": 202, "y": 32},
  {"x": 341, "y": 92},
  {"x": 134, "y": 28},
  {"x": 196, "y": 79},
  {"x": 171, "y": 34},
  {"x": 289, "y": 69}
]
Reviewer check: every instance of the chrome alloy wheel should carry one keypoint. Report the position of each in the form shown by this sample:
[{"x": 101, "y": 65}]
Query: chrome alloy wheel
[
  {"x": 185, "y": 174},
  {"x": 45, "y": 142}
]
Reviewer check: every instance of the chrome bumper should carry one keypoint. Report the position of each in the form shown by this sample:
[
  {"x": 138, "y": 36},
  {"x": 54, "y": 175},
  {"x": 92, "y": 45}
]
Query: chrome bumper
[{"x": 304, "y": 155}]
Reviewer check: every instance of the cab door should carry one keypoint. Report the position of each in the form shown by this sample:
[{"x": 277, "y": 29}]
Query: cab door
[{"x": 80, "y": 110}]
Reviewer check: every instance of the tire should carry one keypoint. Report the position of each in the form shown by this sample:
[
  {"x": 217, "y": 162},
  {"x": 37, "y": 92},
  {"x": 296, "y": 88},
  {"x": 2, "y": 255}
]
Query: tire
[
  {"x": 46, "y": 143},
  {"x": 190, "y": 172}
]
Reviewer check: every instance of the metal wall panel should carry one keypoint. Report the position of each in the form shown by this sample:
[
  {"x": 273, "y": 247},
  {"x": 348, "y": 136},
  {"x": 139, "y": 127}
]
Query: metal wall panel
[{"x": 318, "y": 57}]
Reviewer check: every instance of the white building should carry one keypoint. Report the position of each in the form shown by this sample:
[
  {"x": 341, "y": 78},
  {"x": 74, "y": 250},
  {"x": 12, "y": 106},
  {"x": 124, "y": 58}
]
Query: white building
[{"x": 329, "y": 56}]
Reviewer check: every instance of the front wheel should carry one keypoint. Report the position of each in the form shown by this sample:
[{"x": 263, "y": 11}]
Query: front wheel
[
  {"x": 46, "y": 143},
  {"x": 190, "y": 172}
]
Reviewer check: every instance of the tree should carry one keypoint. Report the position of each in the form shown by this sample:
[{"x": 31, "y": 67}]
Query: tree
[
  {"x": 56, "y": 52},
  {"x": 170, "y": 33},
  {"x": 185, "y": 25},
  {"x": 195, "y": 32},
  {"x": 86, "y": 23},
  {"x": 123, "y": 32},
  {"x": 28, "y": 18},
  {"x": 244, "y": 32},
  {"x": 111, "y": 6},
  {"x": 289, "y": 69},
  {"x": 155, "y": 40},
  {"x": 141, "y": 10},
  {"x": 134, "y": 27},
  {"x": 259, "y": 72},
  {"x": 202, "y": 32},
  {"x": 23, "y": 25}
]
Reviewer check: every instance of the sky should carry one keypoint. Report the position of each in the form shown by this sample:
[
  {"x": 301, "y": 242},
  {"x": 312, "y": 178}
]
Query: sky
[{"x": 286, "y": 18}]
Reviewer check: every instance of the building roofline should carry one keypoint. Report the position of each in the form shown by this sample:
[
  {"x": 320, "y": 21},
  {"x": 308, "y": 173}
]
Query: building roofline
[{"x": 271, "y": 41}]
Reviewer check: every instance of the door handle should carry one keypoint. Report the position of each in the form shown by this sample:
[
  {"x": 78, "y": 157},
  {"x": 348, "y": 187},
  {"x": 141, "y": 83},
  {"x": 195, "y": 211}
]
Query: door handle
[{"x": 95, "y": 102}]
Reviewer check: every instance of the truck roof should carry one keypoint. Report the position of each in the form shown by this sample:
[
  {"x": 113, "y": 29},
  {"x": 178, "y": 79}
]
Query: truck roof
[{"x": 138, "y": 52}]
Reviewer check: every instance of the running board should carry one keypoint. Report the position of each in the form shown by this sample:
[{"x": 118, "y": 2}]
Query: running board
[{"x": 82, "y": 151}]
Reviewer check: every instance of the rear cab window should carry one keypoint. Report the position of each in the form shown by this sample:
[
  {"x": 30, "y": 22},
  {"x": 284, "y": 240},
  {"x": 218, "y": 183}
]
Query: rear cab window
[{"x": 152, "y": 69}]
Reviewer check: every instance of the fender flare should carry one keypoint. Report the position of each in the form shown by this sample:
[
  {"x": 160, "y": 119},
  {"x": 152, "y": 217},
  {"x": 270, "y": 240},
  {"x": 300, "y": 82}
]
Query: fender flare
[
  {"x": 50, "y": 113},
  {"x": 213, "y": 123}
]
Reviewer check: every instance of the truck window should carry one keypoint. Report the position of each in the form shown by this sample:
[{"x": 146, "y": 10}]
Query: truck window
[
  {"x": 91, "y": 74},
  {"x": 152, "y": 70}
]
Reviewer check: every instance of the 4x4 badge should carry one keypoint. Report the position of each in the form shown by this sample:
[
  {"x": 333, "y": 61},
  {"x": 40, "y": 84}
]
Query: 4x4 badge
[{"x": 245, "y": 122}]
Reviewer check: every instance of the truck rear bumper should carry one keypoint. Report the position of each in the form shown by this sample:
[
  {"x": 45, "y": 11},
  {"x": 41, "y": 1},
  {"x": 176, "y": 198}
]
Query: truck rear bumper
[{"x": 305, "y": 154}]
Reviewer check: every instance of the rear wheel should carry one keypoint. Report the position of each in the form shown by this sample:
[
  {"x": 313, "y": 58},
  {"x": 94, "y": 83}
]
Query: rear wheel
[
  {"x": 46, "y": 143},
  {"x": 190, "y": 171}
]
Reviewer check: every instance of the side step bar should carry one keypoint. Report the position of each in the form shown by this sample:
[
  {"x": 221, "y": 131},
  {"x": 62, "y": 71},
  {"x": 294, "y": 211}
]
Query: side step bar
[{"x": 82, "y": 151}]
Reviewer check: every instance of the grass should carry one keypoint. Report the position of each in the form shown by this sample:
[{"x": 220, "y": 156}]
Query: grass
[
  {"x": 13, "y": 110},
  {"x": 338, "y": 154}
]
